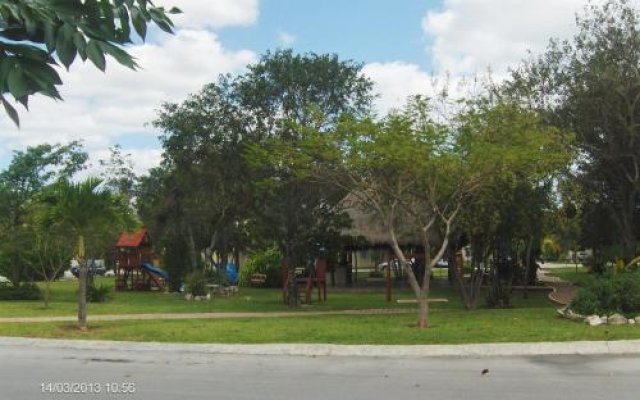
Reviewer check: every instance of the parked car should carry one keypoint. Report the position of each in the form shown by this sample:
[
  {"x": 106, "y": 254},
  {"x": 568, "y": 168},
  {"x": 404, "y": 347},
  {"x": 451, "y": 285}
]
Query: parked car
[
  {"x": 4, "y": 281},
  {"x": 94, "y": 269}
]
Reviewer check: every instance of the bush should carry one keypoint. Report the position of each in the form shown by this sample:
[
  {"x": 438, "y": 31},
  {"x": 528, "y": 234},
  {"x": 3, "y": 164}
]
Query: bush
[
  {"x": 611, "y": 293},
  {"x": 628, "y": 292},
  {"x": 26, "y": 291},
  {"x": 586, "y": 303},
  {"x": 196, "y": 283},
  {"x": 265, "y": 262},
  {"x": 217, "y": 277},
  {"x": 98, "y": 294}
]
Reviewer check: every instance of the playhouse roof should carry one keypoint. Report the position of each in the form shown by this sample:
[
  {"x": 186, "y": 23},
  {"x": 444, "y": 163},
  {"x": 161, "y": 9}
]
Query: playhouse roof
[{"x": 132, "y": 239}]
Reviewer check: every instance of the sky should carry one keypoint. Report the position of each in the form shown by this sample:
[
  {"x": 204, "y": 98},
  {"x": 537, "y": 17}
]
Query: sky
[{"x": 405, "y": 47}]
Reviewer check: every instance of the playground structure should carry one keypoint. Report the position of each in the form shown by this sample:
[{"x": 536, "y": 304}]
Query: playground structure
[
  {"x": 315, "y": 275},
  {"x": 134, "y": 267}
]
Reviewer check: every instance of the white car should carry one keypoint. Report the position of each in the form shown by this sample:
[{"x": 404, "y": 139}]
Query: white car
[
  {"x": 110, "y": 273},
  {"x": 4, "y": 280}
]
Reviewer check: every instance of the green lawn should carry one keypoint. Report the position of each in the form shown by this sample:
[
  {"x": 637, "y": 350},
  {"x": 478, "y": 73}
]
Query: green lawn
[
  {"x": 63, "y": 302},
  {"x": 531, "y": 320}
]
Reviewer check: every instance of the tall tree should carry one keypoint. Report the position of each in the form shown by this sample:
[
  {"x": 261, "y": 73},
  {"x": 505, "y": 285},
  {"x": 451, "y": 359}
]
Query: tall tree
[
  {"x": 27, "y": 174},
  {"x": 284, "y": 96},
  {"x": 117, "y": 172},
  {"x": 213, "y": 150},
  {"x": 591, "y": 86},
  {"x": 36, "y": 34}
]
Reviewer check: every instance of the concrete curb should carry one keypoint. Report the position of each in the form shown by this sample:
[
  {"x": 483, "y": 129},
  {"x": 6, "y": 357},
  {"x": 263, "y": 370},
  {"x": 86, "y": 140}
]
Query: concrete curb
[{"x": 622, "y": 347}]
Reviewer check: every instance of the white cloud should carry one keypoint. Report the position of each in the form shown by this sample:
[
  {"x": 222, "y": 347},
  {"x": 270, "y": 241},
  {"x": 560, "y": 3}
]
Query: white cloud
[
  {"x": 468, "y": 36},
  {"x": 396, "y": 81},
  {"x": 286, "y": 38},
  {"x": 214, "y": 13},
  {"x": 99, "y": 107}
]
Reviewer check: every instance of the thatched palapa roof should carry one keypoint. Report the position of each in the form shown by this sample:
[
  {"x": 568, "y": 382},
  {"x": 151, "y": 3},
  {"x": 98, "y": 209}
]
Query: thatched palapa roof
[{"x": 368, "y": 228}]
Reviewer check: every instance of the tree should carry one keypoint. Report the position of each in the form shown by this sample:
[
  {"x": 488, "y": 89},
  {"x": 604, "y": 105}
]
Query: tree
[
  {"x": 406, "y": 170},
  {"x": 89, "y": 214},
  {"x": 214, "y": 154},
  {"x": 49, "y": 249},
  {"x": 117, "y": 172},
  {"x": 35, "y": 35},
  {"x": 417, "y": 175},
  {"x": 503, "y": 220},
  {"x": 591, "y": 86},
  {"x": 26, "y": 176},
  {"x": 285, "y": 97}
]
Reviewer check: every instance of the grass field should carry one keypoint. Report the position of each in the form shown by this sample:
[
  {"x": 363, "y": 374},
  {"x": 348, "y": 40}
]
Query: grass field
[
  {"x": 531, "y": 320},
  {"x": 64, "y": 302}
]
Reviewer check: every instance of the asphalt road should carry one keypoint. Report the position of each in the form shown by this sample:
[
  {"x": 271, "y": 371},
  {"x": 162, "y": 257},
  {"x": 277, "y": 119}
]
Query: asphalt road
[{"x": 28, "y": 373}]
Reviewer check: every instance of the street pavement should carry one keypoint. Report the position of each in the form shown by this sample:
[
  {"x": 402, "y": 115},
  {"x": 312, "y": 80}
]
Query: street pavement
[{"x": 29, "y": 371}]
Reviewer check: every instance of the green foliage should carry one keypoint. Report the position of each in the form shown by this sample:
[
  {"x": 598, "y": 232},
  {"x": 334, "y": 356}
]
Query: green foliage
[
  {"x": 98, "y": 294},
  {"x": 196, "y": 283},
  {"x": 175, "y": 260},
  {"x": 217, "y": 277},
  {"x": 266, "y": 262},
  {"x": 33, "y": 32},
  {"x": 228, "y": 181},
  {"x": 590, "y": 86},
  {"x": 118, "y": 172},
  {"x": 24, "y": 235},
  {"x": 25, "y": 291},
  {"x": 608, "y": 294}
]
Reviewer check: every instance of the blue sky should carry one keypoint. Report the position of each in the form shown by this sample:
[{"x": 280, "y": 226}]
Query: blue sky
[
  {"x": 363, "y": 30},
  {"x": 404, "y": 45}
]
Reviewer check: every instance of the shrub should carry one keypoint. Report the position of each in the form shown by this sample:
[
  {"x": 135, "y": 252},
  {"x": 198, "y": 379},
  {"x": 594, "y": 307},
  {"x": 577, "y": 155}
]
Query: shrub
[
  {"x": 586, "y": 303},
  {"x": 265, "y": 262},
  {"x": 196, "y": 283},
  {"x": 611, "y": 293},
  {"x": 628, "y": 290},
  {"x": 26, "y": 291},
  {"x": 217, "y": 277},
  {"x": 98, "y": 294}
]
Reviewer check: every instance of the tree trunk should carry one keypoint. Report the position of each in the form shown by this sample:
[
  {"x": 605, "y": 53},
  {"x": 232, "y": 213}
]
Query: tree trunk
[
  {"x": 292, "y": 287},
  {"x": 423, "y": 311},
  {"x": 527, "y": 267},
  {"x": 47, "y": 293},
  {"x": 82, "y": 295},
  {"x": 193, "y": 254}
]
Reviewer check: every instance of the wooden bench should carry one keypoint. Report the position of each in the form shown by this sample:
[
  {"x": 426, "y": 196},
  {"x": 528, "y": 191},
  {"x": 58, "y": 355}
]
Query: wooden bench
[{"x": 258, "y": 279}]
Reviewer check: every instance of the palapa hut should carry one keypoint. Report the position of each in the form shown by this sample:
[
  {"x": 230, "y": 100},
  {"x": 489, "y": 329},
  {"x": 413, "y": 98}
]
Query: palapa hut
[{"x": 370, "y": 244}]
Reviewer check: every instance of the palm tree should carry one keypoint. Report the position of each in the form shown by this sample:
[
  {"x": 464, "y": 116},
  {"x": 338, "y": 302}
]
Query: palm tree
[{"x": 90, "y": 214}]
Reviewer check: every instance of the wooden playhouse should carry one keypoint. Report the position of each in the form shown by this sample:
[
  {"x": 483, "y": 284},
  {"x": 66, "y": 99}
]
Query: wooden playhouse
[{"x": 135, "y": 269}]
